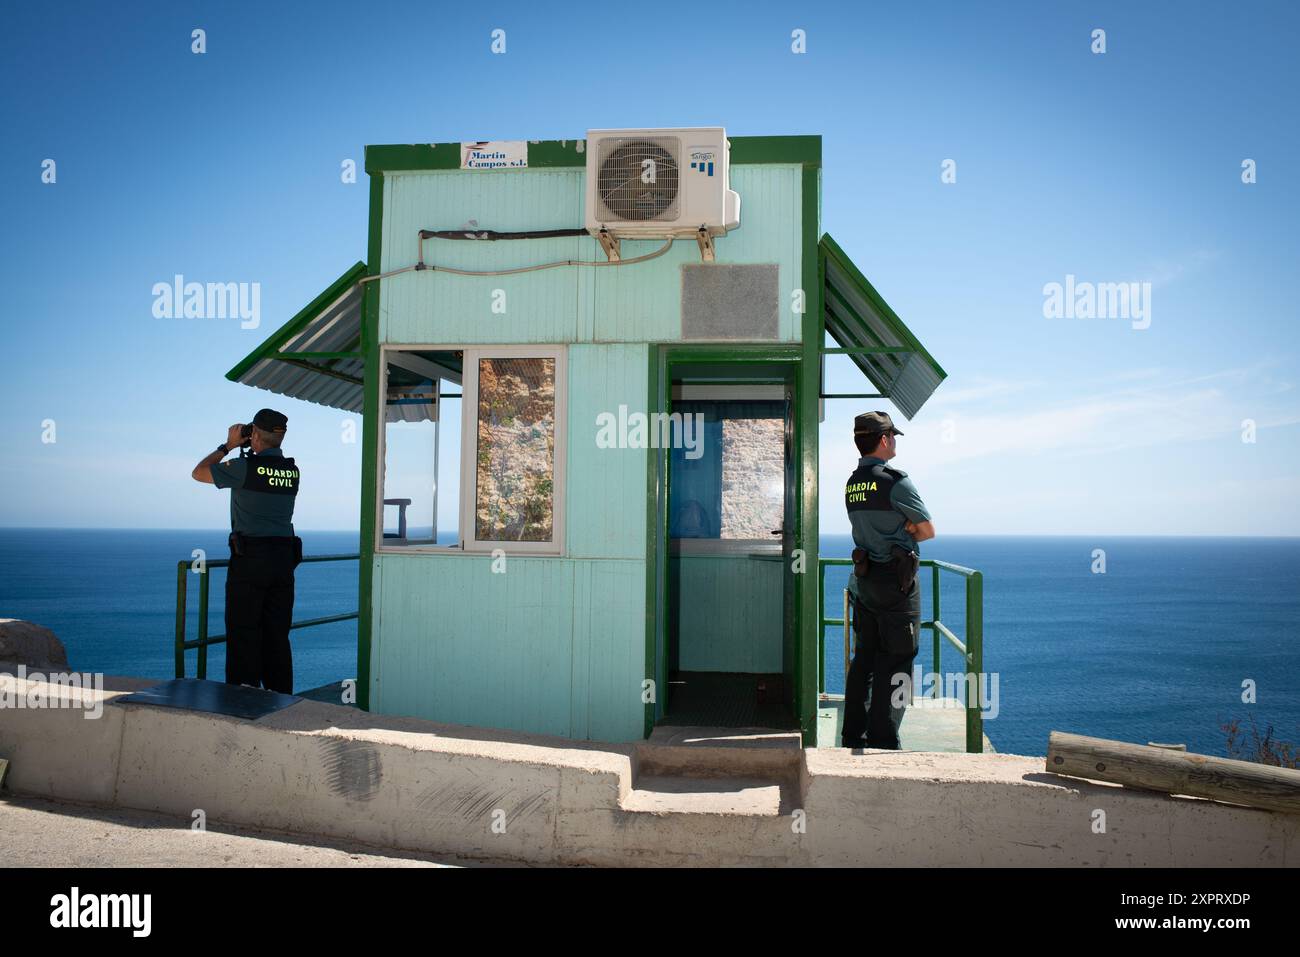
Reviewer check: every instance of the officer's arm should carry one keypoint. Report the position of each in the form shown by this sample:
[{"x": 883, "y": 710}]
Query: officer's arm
[
  {"x": 203, "y": 471},
  {"x": 920, "y": 531},
  {"x": 916, "y": 517}
]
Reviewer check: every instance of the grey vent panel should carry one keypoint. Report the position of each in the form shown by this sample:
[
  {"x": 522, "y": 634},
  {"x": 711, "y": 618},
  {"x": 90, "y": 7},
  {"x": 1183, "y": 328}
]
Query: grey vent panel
[{"x": 724, "y": 301}]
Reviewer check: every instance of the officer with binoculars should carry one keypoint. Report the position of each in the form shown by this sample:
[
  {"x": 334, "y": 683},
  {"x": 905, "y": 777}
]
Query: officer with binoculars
[{"x": 264, "y": 551}]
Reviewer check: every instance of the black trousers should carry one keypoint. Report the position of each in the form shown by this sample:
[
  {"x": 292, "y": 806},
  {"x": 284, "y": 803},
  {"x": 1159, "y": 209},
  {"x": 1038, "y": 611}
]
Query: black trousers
[
  {"x": 886, "y": 623},
  {"x": 259, "y": 610}
]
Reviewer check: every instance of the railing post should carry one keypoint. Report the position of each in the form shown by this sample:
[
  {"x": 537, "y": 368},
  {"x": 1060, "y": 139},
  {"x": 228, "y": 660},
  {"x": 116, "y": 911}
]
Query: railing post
[
  {"x": 975, "y": 662},
  {"x": 202, "y": 671},
  {"x": 938, "y": 638},
  {"x": 182, "y": 569},
  {"x": 821, "y": 628}
]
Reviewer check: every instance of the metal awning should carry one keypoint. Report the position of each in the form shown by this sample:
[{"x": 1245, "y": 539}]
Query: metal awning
[
  {"x": 872, "y": 335},
  {"x": 316, "y": 355}
]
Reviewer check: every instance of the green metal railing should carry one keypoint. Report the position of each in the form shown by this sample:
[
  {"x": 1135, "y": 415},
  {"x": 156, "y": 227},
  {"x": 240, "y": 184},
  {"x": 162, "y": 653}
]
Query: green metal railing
[
  {"x": 202, "y": 568},
  {"x": 972, "y": 651}
]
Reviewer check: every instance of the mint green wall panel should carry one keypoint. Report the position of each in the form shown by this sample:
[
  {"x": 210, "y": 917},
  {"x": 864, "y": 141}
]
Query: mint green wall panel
[
  {"x": 549, "y": 647},
  {"x": 458, "y": 643},
  {"x": 606, "y": 498},
  {"x": 429, "y": 307},
  {"x": 608, "y": 650},
  {"x": 729, "y": 613},
  {"x": 635, "y": 303},
  {"x": 643, "y": 301}
]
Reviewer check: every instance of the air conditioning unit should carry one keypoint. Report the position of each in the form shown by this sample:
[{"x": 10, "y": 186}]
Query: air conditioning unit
[{"x": 652, "y": 184}]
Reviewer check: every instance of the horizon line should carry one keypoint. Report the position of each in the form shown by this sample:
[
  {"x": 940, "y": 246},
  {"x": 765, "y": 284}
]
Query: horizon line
[{"x": 846, "y": 534}]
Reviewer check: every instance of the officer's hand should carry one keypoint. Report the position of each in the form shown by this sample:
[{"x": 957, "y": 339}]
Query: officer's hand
[{"x": 233, "y": 437}]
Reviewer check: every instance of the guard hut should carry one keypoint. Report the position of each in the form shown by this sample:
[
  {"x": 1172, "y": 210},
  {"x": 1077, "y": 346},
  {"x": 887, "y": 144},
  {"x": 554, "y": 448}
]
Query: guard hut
[{"x": 591, "y": 387}]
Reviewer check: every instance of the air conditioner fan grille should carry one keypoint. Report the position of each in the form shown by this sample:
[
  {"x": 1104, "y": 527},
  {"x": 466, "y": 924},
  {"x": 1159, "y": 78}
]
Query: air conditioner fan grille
[{"x": 638, "y": 181}]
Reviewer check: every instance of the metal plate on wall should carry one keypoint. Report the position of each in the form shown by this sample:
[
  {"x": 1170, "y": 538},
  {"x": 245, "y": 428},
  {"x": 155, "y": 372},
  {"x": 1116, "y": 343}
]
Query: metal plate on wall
[
  {"x": 215, "y": 697},
  {"x": 731, "y": 301}
]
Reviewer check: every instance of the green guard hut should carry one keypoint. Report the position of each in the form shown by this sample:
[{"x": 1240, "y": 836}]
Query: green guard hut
[{"x": 590, "y": 374}]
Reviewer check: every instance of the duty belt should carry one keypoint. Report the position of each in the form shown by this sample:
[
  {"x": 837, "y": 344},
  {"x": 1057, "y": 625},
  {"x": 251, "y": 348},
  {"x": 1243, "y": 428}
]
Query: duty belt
[
  {"x": 241, "y": 543},
  {"x": 905, "y": 562}
]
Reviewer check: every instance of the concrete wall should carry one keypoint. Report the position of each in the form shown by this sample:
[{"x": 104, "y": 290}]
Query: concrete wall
[{"x": 320, "y": 769}]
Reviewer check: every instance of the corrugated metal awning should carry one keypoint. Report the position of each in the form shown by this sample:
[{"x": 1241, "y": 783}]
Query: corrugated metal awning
[
  {"x": 316, "y": 355},
  {"x": 877, "y": 341}
]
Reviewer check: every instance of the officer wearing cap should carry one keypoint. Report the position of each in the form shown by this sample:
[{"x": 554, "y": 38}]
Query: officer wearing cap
[
  {"x": 263, "y": 550},
  {"x": 888, "y": 519}
]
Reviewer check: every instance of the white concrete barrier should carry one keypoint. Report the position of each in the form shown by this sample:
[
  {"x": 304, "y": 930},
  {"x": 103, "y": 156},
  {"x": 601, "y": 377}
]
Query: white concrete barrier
[{"x": 327, "y": 770}]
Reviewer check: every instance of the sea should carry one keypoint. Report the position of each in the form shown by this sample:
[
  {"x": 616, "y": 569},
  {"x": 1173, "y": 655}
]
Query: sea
[{"x": 1131, "y": 638}]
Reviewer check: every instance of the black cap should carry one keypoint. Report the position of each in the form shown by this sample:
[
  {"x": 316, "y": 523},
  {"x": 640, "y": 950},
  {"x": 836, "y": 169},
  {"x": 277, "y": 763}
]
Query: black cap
[
  {"x": 869, "y": 423},
  {"x": 268, "y": 420}
]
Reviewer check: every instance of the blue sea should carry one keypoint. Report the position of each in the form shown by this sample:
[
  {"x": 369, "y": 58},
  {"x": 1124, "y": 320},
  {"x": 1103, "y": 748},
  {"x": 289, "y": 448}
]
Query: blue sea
[{"x": 1156, "y": 648}]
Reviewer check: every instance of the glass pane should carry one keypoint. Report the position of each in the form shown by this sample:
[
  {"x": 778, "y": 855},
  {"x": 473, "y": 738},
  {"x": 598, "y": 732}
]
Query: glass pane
[
  {"x": 735, "y": 489},
  {"x": 515, "y": 466},
  {"x": 753, "y": 477},
  {"x": 409, "y": 483}
]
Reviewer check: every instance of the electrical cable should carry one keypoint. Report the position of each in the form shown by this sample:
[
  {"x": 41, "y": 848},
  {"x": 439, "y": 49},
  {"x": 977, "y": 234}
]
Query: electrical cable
[
  {"x": 424, "y": 267},
  {"x": 491, "y": 235}
]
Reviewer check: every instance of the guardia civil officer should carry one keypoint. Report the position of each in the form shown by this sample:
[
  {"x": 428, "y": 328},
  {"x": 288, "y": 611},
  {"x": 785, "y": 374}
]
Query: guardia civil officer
[
  {"x": 888, "y": 520},
  {"x": 264, "y": 551}
]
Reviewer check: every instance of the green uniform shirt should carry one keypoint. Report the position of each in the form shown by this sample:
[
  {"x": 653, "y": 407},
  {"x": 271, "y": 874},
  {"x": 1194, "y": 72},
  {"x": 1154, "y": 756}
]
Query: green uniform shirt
[
  {"x": 263, "y": 488},
  {"x": 877, "y": 528}
]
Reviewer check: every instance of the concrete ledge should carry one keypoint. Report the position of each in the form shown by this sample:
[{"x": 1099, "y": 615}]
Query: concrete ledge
[
  {"x": 980, "y": 810},
  {"x": 64, "y": 751},
  {"x": 326, "y": 770},
  {"x": 39, "y": 832}
]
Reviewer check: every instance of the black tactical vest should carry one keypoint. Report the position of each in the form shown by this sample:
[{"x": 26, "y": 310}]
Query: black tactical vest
[
  {"x": 869, "y": 486},
  {"x": 274, "y": 473}
]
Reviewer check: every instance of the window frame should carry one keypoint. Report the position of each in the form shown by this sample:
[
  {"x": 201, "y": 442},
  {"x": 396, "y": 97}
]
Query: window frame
[{"x": 468, "y": 543}]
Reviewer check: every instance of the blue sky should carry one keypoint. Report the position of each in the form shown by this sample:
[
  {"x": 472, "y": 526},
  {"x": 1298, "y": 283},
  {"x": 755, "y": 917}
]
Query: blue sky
[{"x": 1115, "y": 167}]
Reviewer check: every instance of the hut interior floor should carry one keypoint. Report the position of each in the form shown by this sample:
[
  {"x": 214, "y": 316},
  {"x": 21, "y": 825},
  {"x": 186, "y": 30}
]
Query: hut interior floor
[{"x": 727, "y": 700}]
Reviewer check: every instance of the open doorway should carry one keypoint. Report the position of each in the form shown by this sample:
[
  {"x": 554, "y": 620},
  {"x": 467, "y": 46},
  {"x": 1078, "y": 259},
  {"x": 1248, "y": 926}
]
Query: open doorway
[{"x": 730, "y": 517}]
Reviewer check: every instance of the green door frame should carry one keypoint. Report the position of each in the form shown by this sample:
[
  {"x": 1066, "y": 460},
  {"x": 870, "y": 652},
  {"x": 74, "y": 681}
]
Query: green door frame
[{"x": 664, "y": 360}]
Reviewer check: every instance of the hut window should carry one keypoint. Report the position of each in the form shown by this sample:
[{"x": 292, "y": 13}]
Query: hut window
[
  {"x": 514, "y": 449},
  {"x": 421, "y": 458},
  {"x": 474, "y": 448}
]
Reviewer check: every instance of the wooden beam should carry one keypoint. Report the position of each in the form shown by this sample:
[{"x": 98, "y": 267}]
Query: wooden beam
[{"x": 1175, "y": 772}]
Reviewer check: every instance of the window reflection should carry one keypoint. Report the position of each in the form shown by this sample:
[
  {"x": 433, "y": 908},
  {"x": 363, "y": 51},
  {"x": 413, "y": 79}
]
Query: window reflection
[
  {"x": 515, "y": 462},
  {"x": 735, "y": 490}
]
